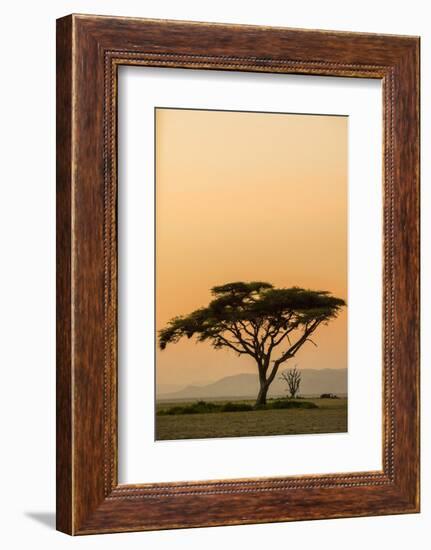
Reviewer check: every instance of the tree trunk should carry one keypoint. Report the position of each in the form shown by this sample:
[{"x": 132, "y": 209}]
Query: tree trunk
[{"x": 261, "y": 396}]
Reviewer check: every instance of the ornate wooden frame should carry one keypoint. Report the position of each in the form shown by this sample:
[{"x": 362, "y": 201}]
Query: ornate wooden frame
[{"x": 89, "y": 51}]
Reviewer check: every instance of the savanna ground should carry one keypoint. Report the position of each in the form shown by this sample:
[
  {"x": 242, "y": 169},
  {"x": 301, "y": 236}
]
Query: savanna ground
[{"x": 329, "y": 417}]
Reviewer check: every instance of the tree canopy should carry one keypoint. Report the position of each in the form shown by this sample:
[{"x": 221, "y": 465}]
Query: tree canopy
[{"x": 254, "y": 319}]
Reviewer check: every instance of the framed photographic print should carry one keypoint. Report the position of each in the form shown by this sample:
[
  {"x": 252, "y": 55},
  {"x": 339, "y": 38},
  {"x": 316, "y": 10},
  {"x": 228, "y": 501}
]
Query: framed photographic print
[{"x": 237, "y": 274}]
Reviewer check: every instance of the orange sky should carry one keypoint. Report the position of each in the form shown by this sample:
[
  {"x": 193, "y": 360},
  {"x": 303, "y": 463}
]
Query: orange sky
[{"x": 242, "y": 197}]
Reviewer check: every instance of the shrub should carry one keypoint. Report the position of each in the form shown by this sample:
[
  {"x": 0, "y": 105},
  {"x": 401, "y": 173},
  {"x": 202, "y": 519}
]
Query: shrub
[
  {"x": 200, "y": 407},
  {"x": 194, "y": 408},
  {"x": 236, "y": 407},
  {"x": 292, "y": 404}
]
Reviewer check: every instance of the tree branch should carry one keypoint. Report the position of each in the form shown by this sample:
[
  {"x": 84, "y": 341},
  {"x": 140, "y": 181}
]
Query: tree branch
[
  {"x": 293, "y": 349},
  {"x": 283, "y": 336},
  {"x": 244, "y": 327},
  {"x": 246, "y": 345},
  {"x": 229, "y": 344}
]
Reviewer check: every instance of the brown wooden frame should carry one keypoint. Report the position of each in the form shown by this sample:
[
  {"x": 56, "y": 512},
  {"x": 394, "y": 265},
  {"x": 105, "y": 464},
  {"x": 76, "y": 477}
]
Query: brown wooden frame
[{"x": 89, "y": 51}]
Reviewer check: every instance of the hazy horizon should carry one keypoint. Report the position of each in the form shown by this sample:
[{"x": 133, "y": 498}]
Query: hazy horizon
[
  {"x": 245, "y": 384},
  {"x": 248, "y": 196},
  {"x": 196, "y": 383}
]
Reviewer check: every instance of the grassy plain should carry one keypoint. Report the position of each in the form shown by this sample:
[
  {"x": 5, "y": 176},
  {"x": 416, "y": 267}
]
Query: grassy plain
[{"x": 329, "y": 417}]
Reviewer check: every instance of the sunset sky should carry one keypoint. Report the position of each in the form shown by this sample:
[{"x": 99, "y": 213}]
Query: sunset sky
[{"x": 244, "y": 197}]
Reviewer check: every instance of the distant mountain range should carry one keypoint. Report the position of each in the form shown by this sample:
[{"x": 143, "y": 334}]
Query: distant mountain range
[{"x": 314, "y": 382}]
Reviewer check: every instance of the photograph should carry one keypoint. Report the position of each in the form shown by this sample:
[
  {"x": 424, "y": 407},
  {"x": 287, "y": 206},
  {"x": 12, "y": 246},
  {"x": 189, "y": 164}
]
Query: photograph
[{"x": 251, "y": 263}]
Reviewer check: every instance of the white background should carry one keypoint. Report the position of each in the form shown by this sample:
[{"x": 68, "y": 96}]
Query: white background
[
  {"x": 141, "y": 458},
  {"x": 27, "y": 125}
]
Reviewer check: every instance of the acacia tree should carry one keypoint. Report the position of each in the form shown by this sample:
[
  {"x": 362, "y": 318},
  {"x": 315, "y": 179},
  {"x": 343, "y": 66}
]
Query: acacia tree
[
  {"x": 269, "y": 324},
  {"x": 292, "y": 378}
]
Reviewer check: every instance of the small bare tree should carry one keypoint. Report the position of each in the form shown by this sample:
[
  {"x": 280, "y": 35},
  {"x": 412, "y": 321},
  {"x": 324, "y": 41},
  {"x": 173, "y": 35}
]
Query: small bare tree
[{"x": 292, "y": 378}]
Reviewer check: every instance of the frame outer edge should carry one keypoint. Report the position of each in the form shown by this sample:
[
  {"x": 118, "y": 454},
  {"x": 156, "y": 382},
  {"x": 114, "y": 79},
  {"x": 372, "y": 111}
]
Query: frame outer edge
[
  {"x": 64, "y": 367},
  {"x": 407, "y": 280}
]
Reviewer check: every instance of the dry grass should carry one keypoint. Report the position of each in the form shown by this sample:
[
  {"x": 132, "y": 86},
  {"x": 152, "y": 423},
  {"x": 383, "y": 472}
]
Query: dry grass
[{"x": 330, "y": 417}]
